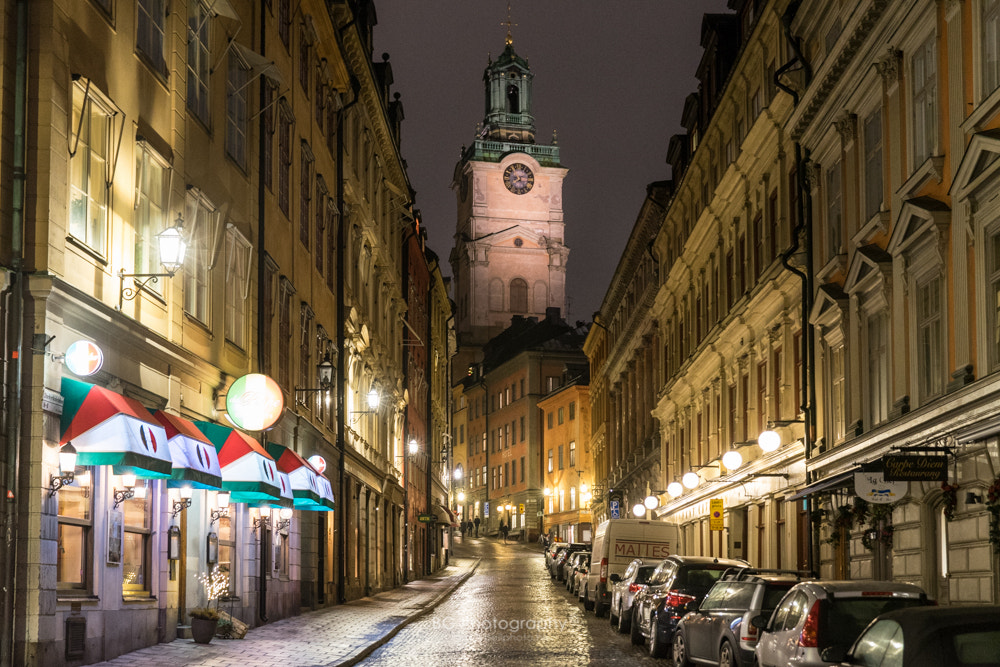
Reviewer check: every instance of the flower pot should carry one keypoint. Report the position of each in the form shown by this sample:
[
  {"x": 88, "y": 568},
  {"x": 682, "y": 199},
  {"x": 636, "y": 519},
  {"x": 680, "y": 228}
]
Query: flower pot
[{"x": 203, "y": 629}]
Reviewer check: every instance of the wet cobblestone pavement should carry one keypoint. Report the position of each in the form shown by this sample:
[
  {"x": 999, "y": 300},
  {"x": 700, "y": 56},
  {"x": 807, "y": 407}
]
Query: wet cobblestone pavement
[{"x": 509, "y": 612}]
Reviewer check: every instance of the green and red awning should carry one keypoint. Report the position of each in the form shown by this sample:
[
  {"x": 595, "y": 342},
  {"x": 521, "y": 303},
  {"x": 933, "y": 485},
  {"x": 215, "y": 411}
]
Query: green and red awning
[
  {"x": 309, "y": 491},
  {"x": 107, "y": 428},
  {"x": 248, "y": 472},
  {"x": 195, "y": 461}
]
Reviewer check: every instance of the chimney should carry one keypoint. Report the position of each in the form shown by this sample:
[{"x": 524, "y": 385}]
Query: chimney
[{"x": 552, "y": 315}]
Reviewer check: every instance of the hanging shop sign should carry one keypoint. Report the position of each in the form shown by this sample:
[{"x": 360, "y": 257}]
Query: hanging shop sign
[
  {"x": 873, "y": 487},
  {"x": 254, "y": 402},
  {"x": 425, "y": 518},
  {"x": 317, "y": 462},
  {"x": 715, "y": 521},
  {"x": 83, "y": 358},
  {"x": 909, "y": 468}
]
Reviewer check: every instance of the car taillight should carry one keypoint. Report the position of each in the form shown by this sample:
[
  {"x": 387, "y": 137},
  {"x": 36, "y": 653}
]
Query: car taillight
[
  {"x": 678, "y": 599},
  {"x": 604, "y": 570},
  {"x": 751, "y": 632},
  {"x": 809, "y": 638},
  {"x": 634, "y": 588}
]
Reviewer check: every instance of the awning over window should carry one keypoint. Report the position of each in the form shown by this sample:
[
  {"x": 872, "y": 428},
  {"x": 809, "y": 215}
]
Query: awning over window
[
  {"x": 304, "y": 478},
  {"x": 831, "y": 483},
  {"x": 445, "y": 517},
  {"x": 285, "y": 495},
  {"x": 107, "y": 428},
  {"x": 248, "y": 472},
  {"x": 195, "y": 461}
]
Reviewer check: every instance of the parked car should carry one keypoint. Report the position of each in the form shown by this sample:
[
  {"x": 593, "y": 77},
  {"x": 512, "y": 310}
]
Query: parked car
[
  {"x": 570, "y": 567},
  {"x": 616, "y": 544},
  {"x": 579, "y": 572},
  {"x": 674, "y": 585},
  {"x": 550, "y": 552},
  {"x": 819, "y": 616},
  {"x": 623, "y": 591},
  {"x": 560, "y": 558},
  {"x": 565, "y": 567},
  {"x": 718, "y": 630},
  {"x": 928, "y": 637}
]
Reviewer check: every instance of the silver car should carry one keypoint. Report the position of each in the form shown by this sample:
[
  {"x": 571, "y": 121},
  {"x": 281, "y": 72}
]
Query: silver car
[
  {"x": 623, "y": 592},
  {"x": 817, "y": 621}
]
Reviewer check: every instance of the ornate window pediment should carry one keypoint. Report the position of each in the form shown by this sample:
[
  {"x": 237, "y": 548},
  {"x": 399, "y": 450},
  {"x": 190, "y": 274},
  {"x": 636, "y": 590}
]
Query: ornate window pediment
[
  {"x": 919, "y": 218},
  {"x": 981, "y": 160},
  {"x": 830, "y": 307},
  {"x": 868, "y": 265}
]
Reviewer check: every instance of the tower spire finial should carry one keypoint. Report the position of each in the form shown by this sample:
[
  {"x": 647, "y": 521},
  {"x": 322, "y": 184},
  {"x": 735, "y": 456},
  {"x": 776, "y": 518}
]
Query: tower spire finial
[{"x": 510, "y": 38}]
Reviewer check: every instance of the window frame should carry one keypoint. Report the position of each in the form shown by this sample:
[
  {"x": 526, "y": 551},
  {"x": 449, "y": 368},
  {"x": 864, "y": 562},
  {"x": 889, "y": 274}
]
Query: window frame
[
  {"x": 199, "y": 62},
  {"x": 238, "y": 78},
  {"x": 96, "y": 231},
  {"x": 86, "y": 525},
  {"x": 148, "y": 222},
  {"x": 153, "y": 14}
]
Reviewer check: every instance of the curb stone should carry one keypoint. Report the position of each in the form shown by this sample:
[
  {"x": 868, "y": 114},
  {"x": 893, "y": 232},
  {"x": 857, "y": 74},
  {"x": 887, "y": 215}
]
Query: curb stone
[{"x": 384, "y": 639}]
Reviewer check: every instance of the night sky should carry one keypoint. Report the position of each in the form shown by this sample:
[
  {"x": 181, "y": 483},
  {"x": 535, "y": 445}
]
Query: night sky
[{"x": 610, "y": 76}]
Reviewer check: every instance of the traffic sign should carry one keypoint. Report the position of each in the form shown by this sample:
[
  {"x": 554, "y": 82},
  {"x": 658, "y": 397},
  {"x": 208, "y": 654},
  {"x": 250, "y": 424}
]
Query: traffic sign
[
  {"x": 614, "y": 510},
  {"x": 715, "y": 521}
]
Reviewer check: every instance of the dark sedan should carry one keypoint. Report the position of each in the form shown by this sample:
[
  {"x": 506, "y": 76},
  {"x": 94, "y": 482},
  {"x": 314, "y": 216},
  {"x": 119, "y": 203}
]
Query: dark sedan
[{"x": 928, "y": 637}]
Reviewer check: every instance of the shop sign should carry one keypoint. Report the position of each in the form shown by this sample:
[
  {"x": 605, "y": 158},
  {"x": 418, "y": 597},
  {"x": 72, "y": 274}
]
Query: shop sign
[
  {"x": 715, "y": 521},
  {"x": 83, "y": 358},
  {"x": 318, "y": 463},
  {"x": 909, "y": 468},
  {"x": 425, "y": 518},
  {"x": 254, "y": 402},
  {"x": 873, "y": 487}
]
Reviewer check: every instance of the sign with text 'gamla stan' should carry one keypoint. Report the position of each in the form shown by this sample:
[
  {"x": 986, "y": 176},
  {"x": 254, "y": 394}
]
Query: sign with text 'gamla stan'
[{"x": 909, "y": 468}]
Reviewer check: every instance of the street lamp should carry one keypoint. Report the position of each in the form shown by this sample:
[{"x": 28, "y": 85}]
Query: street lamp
[
  {"x": 675, "y": 489},
  {"x": 67, "y": 468},
  {"x": 324, "y": 371},
  {"x": 691, "y": 480},
  {"x": 769, "y": 439},
  {"x": 732, "y": 460},
  {"x": 638, "y": 510},
  {"x": 171, "y": 248}
]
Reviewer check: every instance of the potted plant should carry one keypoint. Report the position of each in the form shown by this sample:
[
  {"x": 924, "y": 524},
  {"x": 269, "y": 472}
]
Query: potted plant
[{"x": 203, "y": 623}]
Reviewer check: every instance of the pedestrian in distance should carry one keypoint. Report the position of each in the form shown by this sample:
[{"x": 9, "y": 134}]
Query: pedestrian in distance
[{"x": 476, "y": 522}]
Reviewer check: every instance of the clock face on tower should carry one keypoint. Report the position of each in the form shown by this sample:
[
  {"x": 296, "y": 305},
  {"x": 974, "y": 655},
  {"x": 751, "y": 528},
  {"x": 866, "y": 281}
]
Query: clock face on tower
[{"x": 518, "y": 178}]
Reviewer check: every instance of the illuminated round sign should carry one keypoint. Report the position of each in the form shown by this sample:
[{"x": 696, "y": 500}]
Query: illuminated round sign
[
  {"x": 318, "y": 463},
  {"x": 84, "y": 358},
  {"x": 254, "y": 402}
]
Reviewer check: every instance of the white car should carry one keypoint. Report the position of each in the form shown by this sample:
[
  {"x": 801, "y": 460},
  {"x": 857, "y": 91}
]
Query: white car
[{"x": 623, "y": 592}]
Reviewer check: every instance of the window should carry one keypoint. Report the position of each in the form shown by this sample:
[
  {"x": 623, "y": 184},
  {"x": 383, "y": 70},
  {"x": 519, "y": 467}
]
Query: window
[
  {"x": 834, "y": 211},
  {"x": 201, "y": 222},
  {"x": 285, "y": 332},
  {"x": 150, "y": 211},
  {"x": 505, "y": 475},
  {"x": 873, "y": 163},
  {"x": 237, "y": 286},
  {"x": 268, "y": 147},
  {"x": 562, "y": 500},
  {"x": 90, "y": 171},
  {"x": 284, "y": 155},
  {"x": 550, "y": 461},
  {"x": 513, "y": 473},
  {"x": 930, "y": 338},
  {"x": 75, "y": 539},
  {"x": 305, "y": 193},
  {"x": 993, "y": 295},
  {"x": 572, "y": 497},
  {"x": 549, "y": 420},
  {"x": 305, "y": 58},
  {"x": 321, "y": 208},
  {"x": 285, "y": 21},
  {"x": 135, "y": 546},
  {"x": 306, "y": 369},
  {"x": 522, "y": 419},
  {"x": 227, "y": 552},
  {"x": 198, "y": 61},
  {"x": 990, "y": 50},
  {"x": 332, "y": 230},
  {"x": 522, "y": 469},
  {"x": 152, "y": 17},
  {"x": 572, "y": 410},
  {"x": 552, "y": 383},
  {"x": 279, "y": 560},
  {"x": 878, "y": 367},
  {"x": 561, "y": 466},
  {"x": 236, "y": 110},
  {"x": 572, "y": 453},
  {"x": 561, "y": 415},
  {"x": 924, "y": 71},
  {"x": 837, "y": 393}
]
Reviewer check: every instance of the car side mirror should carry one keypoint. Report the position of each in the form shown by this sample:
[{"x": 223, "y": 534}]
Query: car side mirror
[
  {"x": 615, "y": 578},
  {"x": 759, "y": 622}
]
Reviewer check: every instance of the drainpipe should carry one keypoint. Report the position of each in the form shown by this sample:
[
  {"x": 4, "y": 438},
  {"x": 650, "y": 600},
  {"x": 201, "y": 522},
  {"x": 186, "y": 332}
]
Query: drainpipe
[
  {"x": 804, "y": 229},
  {"x": 13, "y": 297},
  {"x": 261, "y": 277},
  {"x": 432, "y": 538}
]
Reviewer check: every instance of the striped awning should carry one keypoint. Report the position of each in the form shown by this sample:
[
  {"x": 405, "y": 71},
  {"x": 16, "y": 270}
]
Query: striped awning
[
  {"x": 248, "y": 472},
  {"x": 107, "y": 428},
  {"x": 195, "y": 461}
]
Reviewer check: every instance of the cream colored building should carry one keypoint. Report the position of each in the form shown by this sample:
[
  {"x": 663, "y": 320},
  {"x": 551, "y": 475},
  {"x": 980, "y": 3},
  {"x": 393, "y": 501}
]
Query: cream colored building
[{"x": 567, "y": 457}]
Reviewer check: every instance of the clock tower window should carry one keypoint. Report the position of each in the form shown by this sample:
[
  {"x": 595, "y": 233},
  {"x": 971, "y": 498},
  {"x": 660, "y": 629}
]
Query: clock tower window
[
  {"x": 518, "y": 296},
  {"x": 513, "y": 104}
]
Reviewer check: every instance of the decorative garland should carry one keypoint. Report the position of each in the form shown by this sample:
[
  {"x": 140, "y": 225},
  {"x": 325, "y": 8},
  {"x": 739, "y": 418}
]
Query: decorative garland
[
  {"x": 993, "y": 505},
  {"x": 843, "y": 518},
  {"x": 950, "y": 495},
  {"x": 877, "y": 532}
]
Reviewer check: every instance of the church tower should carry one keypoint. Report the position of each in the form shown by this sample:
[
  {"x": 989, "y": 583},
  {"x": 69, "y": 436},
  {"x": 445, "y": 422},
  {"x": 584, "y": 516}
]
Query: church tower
[{"x": 509, "y": 257}]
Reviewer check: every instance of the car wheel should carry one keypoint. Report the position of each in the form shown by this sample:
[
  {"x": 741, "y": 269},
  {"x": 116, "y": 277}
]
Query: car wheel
[
  {"x": 636, "y": 634},
  {"x": 587, "y": 604},
  {"x": 680, "y": 651},
  {"x": 599, "y": 608},
  {"x": 624, "y": 622},
  {"x": 727, "y": 657},
  {"x": 656, "y": 647}
]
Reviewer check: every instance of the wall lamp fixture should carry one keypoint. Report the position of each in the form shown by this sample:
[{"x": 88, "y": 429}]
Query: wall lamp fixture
[
  {"x": 171, "y": 247},
  {"x": 223, "y": 510},
  {"x": 67, "y": 469},
  {"x": 769, "y": 439},
  {"x": 184, "y": 501},
  {"x": 130, "y": 490},
  {"x": 324, "y": 371}
]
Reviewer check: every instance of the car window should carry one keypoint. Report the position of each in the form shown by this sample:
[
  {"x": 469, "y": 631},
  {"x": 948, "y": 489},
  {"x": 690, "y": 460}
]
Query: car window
[
  {"x": 698, "y": 580},
  {"x": 715, "y": 597},
  {"x": 738, "y": 595},
  {"x": 662, "y": 573},
  {"x": 979, "y": 646},
  {"x": 644, "y": 573},
  {"x": 630, "y": 570},
  {"x": 772, "y": 596},
  {"x": 797, "y": 611},
  {"x": 871, "y": 647},
  {"x": 845, "y": 618},
  {"x": 781, "y": 613}
]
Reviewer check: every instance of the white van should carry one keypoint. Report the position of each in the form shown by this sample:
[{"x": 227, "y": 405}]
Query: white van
[{"x": 617, "y": 542}]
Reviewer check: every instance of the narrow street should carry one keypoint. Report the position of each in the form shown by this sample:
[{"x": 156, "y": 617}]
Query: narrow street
[{"x": 509, "y": 611}]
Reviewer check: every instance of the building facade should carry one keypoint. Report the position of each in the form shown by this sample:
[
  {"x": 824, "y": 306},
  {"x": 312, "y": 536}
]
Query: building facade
[{"x": 567, "y": 461}]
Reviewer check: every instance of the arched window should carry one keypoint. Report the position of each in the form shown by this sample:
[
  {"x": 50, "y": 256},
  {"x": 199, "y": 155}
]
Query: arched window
[
  {"x": 518, "y": 296},
  {"x": 513, "y": 104}
]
